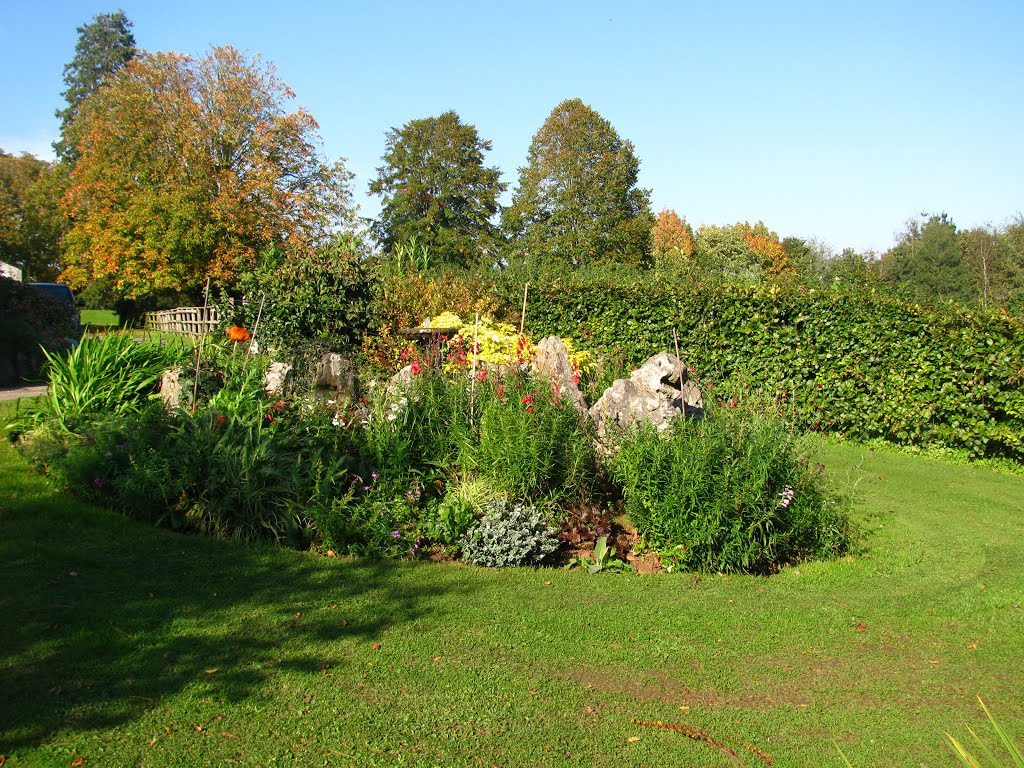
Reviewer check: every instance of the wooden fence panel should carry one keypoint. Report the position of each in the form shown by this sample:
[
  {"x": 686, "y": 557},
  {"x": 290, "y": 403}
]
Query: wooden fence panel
[{"x": 192, "y": 321}]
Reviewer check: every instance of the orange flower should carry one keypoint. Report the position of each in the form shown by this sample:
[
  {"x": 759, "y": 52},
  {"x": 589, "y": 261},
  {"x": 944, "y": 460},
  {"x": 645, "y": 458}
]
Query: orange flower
[{"x": 238, "y": 333}]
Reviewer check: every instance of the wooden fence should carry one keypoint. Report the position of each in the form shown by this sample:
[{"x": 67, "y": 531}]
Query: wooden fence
[{"x": 194, "y": 321}]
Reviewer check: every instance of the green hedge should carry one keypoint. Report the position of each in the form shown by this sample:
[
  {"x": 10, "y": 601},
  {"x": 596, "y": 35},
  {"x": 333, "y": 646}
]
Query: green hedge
[{"x": 862, "y": 364}]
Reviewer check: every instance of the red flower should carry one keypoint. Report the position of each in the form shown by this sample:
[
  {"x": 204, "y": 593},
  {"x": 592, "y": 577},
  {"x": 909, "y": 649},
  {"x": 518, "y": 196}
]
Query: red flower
[
  {"x": 220, "y": 418},
  {"x": 238, "y": 333},
  {"x": 482, "y": 376},
  {"x": 415, "y": 367}
]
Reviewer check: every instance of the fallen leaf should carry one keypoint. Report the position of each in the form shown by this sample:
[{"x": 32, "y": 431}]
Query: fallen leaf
[
  {"x": 151, "y": 742},
  {"x": 213, "y": 671},
  {"x": 197, "y": 728},
  {"x": 2, "y": 759},
  {"x": 78, "y": 761},
  {"x": 632, "y": 739},
  {"x": 73, "y": 573},
  {"x": 684, "y": 709},
  {"x": 376, "y": 646},
  {"x": 547, "y": 583},
  {"x": 228, "y": 734},
  {"x": 437, "y": 659},
  {"x": 972, "y": 645},
  {"x": 862, "y": 627},
  {"x": 330, "y": 553},
  {"x": 933, "y": 661}
]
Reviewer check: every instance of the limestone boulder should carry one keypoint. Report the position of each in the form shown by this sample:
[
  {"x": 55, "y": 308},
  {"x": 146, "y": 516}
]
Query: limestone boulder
[
  {"x": 551, "y": 362},
  {"x": 656, "y": 392}
]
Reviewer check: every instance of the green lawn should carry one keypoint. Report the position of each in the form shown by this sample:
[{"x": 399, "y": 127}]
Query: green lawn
[
  {"x": 98, "y": 317},
  {"x": 123, "y": 645}
]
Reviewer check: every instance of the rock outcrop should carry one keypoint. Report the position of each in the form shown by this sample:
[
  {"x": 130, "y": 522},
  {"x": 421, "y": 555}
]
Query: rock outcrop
[{"x": 656, "y": 392}]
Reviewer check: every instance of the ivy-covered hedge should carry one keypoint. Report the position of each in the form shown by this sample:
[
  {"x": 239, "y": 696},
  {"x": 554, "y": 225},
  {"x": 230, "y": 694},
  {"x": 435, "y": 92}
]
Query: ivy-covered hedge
[{"x": 862, "y": 364}]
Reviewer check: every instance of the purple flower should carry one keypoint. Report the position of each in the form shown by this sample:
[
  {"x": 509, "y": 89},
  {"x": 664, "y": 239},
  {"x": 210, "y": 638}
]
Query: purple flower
[
  {"x": 366, "y": 488},
  {"x": 375, "y": 475},
  {"x": 396, "y": 535},
  {"x": 98, "y": 482}
]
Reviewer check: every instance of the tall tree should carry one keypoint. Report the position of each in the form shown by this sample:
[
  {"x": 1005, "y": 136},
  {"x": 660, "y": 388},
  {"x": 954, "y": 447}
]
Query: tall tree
[
  {"x": 671, "y": 236},
  {"x": 436, "y": 188},
  {"x": 928, "y": 262},
  {"x": 30, "y": 223},
  {"x": 188, "y": 168},
  {"x": 577, "y": 200},
  {"x": 104, "y": 46}
]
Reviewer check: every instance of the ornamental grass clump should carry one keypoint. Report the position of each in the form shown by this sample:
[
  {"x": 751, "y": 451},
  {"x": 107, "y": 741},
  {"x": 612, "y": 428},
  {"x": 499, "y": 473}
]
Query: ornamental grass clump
[{"x": 728, "y": 493}]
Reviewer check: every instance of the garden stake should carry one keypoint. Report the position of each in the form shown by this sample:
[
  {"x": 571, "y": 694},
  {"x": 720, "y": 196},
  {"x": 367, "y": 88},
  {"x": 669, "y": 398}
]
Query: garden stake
[
  {"x": 522, "y": 316},
  {"x": 472, "y": 377},
  {"x": 679, "y": 361},
  {"x": 259, "y": 314},
  {"x": 199, "y": 351}
]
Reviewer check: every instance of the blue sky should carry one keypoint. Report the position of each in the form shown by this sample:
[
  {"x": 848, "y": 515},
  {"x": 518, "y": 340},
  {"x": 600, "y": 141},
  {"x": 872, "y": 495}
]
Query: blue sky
[{"x": 834, "y": 120}]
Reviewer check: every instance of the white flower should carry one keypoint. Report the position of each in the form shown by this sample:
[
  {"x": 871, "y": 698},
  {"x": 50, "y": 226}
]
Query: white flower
[{"x": 391, "y": 417}]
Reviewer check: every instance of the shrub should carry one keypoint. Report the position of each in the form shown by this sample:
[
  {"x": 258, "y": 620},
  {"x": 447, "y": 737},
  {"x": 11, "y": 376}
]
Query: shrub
[
  {"x": 509, "y": 535},
  {"x": 728, "y": 493},
  {"x": 308, "y": 294},
  {"x": 30, "y": 319}
]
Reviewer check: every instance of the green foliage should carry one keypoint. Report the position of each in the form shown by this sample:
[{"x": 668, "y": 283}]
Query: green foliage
[
  {"x": 103, "y": 47},
  {"x": 510, "y": 535},
  {"x": 434, "y": 187},
  {"x": 860, "y": 363},
  {"x": 577, "y": 200},
  {"x": 728, "y": 493},
  {"x": 927, "y": 261},
  {"x": 103, "y": 376},
  {"x": 306, "y": 295},
  {"x": 1008, "y": 744},
  {"x": 603, "y": 559},
  {"x": 30, "y": 320},
  {"x": 30, "y": 223},
  {"x": 532, "y": 443}
]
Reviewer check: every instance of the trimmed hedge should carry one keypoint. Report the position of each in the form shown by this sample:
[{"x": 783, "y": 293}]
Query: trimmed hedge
[{"x": 863, "y": 364}]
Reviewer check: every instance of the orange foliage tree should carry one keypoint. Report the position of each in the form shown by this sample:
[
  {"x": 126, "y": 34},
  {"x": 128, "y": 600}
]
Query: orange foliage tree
[
  {"x": 189, "y": 168},
  {"x": 671, "y": 235}
]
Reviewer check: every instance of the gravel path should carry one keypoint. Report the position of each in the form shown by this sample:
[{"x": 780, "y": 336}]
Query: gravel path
[{"x": 12, "y": 393}]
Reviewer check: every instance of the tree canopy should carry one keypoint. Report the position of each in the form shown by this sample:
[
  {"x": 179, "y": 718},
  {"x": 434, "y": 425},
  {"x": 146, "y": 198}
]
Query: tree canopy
[
  {"x": 436, "y": 188},
  {"x": 188, "y": 168},
  {"x": 30, "y": 226},
  {"x": 928, "y": 262},
  {"x": 742, "y": 252},
  {"x": 104, "y": 46},
  {"x": 577, "y": 199}
]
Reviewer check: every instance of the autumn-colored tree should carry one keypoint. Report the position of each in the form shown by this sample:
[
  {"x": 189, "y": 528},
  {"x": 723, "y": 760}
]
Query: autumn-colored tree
[
  {"x": 671, "y": 236},
  {"x": 577, "y": 200},
  {"x": 436, "y": 188},
  {"x": 744, "y": 252},
  {"x": 30, "y": 225},
  {"x": 188, "y": 168}
]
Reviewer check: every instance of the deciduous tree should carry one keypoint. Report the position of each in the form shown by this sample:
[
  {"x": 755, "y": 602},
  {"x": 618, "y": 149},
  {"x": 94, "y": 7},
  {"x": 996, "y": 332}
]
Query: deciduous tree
[
  {"x": 30, "y": 224},
  {"x": 436, "y": 188},
  {"x": 577, "y": 200},
  {"x": 742, "y": 252},
  {"x": 188, "y": 168},
  {"x": 671, "y": 236}
]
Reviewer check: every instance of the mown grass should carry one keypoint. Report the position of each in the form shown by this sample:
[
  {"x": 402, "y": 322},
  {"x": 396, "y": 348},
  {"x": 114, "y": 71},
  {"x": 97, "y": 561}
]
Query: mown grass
[
  {"x": 124, "y": 645},
  {"x": 100, "y": 317}
]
